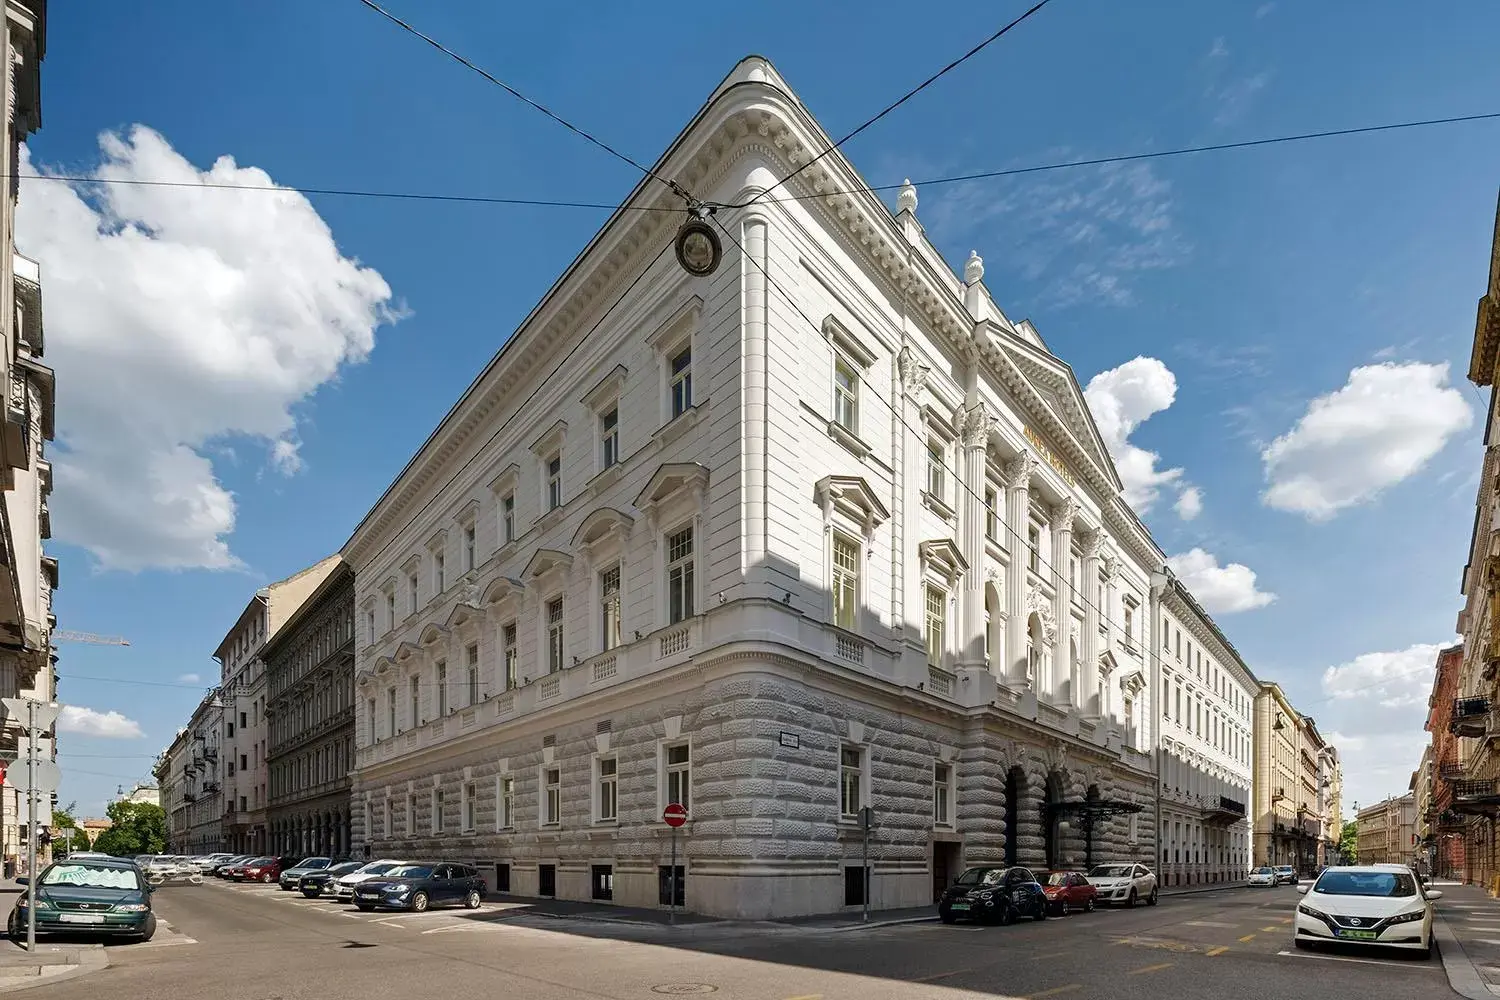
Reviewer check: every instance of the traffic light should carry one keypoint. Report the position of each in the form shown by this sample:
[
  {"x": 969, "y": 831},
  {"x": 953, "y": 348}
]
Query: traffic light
[{"x": 43, "y": 837}]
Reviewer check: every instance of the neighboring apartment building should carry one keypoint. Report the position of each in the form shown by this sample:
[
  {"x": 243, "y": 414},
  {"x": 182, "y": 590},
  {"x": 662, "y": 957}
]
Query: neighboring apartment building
[
  {"x": 310, "y": 721},
  {"x": 1312, "y": 806},
  {"x": 822, "y": 532},
  {"x": 1208, "y": 747},
  {"x": 188, "y": 776},
  {"x": 1474, "y": 797},
  {"x": 1450, "y": 835},
  {"x": 1387, "y": 832},
  {"x": 242, "y": 671},
  {"x": 143, "y": 794},
  {"x": 1287, "y": 824},
  {"x": 1331, "y": 803}
]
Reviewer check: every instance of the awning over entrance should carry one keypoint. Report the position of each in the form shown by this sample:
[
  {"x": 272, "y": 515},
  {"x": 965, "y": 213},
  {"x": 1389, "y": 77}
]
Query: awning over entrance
[{"x": 1088, "y": 812}]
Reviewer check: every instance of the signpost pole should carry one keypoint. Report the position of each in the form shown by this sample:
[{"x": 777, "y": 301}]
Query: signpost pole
[
  {"x": 31, "y": 825},
  {"x": 672, "y": 884}
]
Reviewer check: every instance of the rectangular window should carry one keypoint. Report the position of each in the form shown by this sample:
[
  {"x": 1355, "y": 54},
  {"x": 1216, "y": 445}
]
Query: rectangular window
[
  {"x": 609, "y": 438},
  {"x": 552, "y": 805},
  {"x": 370, "y": 718},
  {"x": 511, "y": 654},
  {"x": 390, "y": 711},
  {"x": 1033, "y": 548},
  {"x": 936, "y": 473},
  {"x": 411, "y": 592},
  {"x": 845, "y": 581},
  {"x": 505, "y": 808},
  {"x": 414, "y": 695},
  {"x": 942, "y": 795},
  {"x": 609, "y": 608},
  {"x": 507, "y": 518},
  {"x": 554, "y": 482},
  {"x": 369, "y": 629},
  {"x": 845, "y": 395},
  {"x": 608, "y": 810},
  {"x": 390, "y": 609},
  {"x": 678, "y": 774},
  {"x": 439, "y": 573},
  {"x": 682, "y": 382},
  {"x": 442, "y": 689},
  {"x": 991, "y": 514},
  {"x": 411, "y": 815},
  {"x": 469, "y": 808},
  {"x": 468, "y": 547},
  {"x": 851, "y": 781},
  {"x": 437, "y": 810},
  {"x": 472, "y": 654},
  {"x": 680, "y": 575},
  {"x": 554, "y": 635},
  {"x": 937, "y": 621}
]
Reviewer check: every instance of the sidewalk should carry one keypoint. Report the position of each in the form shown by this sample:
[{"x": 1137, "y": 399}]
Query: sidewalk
[
  {"x": 567, "y": 909},
  {"x": 1467, "y": 933},
  {"x": 50, "y": 963}
]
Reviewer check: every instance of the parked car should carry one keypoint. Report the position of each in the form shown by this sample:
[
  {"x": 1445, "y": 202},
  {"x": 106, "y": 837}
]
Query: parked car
[
  {"x": 292, "y": 874},
  {"x": 265, "y": 870},
  {"x": 1368, "y": 905},
  {"x": 1263, "y": 876},
  {"x": 415, "y": 887},
  {"x": 97, "y": 896},
  {"x": 209, "y": 862},
  {"x": 343, "y": 888},
  {"x": 320, "y": 883},
  {"x": 1286, "y": 875},
  {"x": 1124, "y": 882},
  {"x": 1068, "y": 891},
  {"x": 994, "y": 893},
  {"x": 224, "y": 868}
]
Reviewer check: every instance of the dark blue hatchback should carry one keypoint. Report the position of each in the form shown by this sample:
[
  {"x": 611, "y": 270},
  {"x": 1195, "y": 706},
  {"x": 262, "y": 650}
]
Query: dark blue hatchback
[{"x": 417, "y": 887}]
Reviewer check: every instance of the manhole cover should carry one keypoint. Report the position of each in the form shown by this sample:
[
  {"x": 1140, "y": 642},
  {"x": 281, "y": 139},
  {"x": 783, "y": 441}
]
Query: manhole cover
[{"x": 684, "y": 989}]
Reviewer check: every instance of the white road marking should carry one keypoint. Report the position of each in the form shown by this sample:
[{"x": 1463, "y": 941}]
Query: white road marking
[
  {"x": 1388, "y": 963},
  {"x": 1208, "y": 923},
  {"x": 463, "y": 927}
]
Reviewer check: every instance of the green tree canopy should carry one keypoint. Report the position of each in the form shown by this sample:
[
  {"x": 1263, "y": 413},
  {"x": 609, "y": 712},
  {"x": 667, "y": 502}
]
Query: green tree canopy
[
  {"x": 1349, "y": 841},
  {"x": 67, "y": 835},
  {"x": 138, "y": 828}
]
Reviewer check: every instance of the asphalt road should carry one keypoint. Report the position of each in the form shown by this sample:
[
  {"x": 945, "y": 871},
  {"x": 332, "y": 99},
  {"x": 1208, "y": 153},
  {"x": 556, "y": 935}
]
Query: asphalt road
[{"x": 256, "y": 943}]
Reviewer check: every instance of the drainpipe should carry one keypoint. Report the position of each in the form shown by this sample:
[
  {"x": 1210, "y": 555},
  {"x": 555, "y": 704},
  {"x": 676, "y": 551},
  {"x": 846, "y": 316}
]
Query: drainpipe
[{"x": 1160, "y": 580}]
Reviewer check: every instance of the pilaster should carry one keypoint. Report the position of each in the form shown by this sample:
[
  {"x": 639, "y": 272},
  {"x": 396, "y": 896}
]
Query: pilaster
[
  {"x": 1018, "y": 475},
  {"x": 1088, "y": 697},
  {"x": 974, "y": 426},
  {"x": 912, "y": 378},
  {"x": 1060, "y": 682}
]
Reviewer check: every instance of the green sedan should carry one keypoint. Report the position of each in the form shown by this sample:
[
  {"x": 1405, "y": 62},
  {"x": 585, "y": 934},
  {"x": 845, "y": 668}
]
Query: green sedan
[{"x": 105, "y": 897}]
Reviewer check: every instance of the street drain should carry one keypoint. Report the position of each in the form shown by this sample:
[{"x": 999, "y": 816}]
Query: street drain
[{"x": 684, "y": 989}]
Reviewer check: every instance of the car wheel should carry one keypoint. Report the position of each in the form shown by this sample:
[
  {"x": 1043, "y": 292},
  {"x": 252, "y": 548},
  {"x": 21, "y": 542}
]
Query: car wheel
[
  {"x": 266, "y": 878},
  {"x": 419, "y": 902},
  {"x": 1041, "y": 909},
  {"x": 1007, "y": 915},
  {"x": 310, "y": 893},
  {"x": 1064, "y": 909},
  {"x": 149, "y": 930},
  {"x": 363, "y": 907},
  {"x": 473, "y": 899},
  {"x": 1130, "y": 903},
  {"x": 946, "y": 915},
  {"x": 1088, "y": 905},
  {"x": 1302, "y": 944},
  {"x": 1151, "y": 899}
]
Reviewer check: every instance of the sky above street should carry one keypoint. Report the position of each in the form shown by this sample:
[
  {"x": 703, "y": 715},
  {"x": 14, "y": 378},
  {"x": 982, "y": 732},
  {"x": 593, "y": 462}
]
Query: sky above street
[{"x": 1273, "y": 340}]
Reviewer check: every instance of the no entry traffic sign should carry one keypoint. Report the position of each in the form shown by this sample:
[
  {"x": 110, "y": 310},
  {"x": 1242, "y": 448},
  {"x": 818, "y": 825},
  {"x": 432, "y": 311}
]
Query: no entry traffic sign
[{"x": 674, "y": 815}]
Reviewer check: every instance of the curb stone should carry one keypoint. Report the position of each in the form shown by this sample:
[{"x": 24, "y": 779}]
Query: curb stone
[
  {"x": 90, "y": 960},
  {"x": 1463, "y": 978}
]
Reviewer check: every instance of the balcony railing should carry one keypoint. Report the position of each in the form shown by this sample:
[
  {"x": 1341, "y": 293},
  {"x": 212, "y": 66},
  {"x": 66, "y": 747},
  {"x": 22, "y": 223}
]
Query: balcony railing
[
  {"x": 1474, "y": 790},
  {"x": 1450, "y": 769},
  {"x": 1469, "y": 715}
]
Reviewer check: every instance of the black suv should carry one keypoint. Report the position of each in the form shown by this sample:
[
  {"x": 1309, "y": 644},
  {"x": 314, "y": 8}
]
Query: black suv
[{"x": 994, "y": 894}]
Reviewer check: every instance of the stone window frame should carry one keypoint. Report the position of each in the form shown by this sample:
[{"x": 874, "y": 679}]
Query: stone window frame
[
  {"x": 467, "y": 522},
  {"x": 942, "y": 570},
  {"x": 505, "y": 806},
  {"x": 675, "y": 497},
  {"x": 549, "y": 447},
  {"x": 850, "y": 508},
  {"x": 437, "y": 547},
  {"x": 602, "y": 541},
  {"x": 411, "y": 810},
  {"x": 412, "y": 568},
  {"x": 865, "y": 774},
  {"x": 946, "y": 818},
  {"x": 468, "y": 809},
  {"x": 436, "y": 804},
  {"x": 503, "y": 489},
  {"x": 596, "y": 787},
  {"x": 663, "y": 747},
  {"x": 543, "y": 802},
  {"x": 846, "y": 348},
  {"x": 607, "y": 395},
  {"x": 388, "y": 595}
]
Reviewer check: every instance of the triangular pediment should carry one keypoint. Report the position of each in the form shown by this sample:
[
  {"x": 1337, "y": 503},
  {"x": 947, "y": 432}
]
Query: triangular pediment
[{"x": 1056, "y": 386}]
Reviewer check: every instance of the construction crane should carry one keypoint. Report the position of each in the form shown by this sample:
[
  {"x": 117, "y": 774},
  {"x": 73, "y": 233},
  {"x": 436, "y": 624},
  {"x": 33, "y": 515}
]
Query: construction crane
[{"x": 64, "y": 635}]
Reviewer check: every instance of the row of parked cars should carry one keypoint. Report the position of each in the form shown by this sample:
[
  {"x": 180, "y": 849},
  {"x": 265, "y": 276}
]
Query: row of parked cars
[
  {"x": 1000, "y": 894},
  {"x": 383, "y": 884}
]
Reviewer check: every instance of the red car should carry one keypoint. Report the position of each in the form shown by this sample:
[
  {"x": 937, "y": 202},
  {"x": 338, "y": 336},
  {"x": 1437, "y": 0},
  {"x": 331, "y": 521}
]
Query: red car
[
  {"x": 1069, "y": 891},
  {"x": 259, "y": 870}
]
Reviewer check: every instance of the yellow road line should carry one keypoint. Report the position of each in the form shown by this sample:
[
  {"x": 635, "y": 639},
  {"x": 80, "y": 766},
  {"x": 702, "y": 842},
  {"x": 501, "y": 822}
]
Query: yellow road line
[
  {"x": 1271, "y": 928},
  {"x": 1054, "y": 991},
  {"x": 1216, "y": 951},
  {"x": 942, "y": 975},
  {"x": 1285, "y": 920},
  {"x": 1149, "y": 968},
  {"x": 1247, "y": 937}
]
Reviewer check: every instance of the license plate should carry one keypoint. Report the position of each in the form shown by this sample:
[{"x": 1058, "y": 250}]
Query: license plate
[
  {"x": 1359, "y": 935},
  {"x": 958, "y": 906},
  {"x": 81, "y": 918}
]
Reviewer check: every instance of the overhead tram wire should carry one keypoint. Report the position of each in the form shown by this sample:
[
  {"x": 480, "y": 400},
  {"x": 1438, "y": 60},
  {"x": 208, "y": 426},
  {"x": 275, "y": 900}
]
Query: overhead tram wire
[
  {"x": 920, "y": 183},
  {"x": 512, "y": 91},
  {"x": 898, "y": 102}
]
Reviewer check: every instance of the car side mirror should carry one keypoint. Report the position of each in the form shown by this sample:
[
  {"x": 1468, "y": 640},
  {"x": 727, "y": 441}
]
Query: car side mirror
[
  {"x": 22, "y": 880},
  {"x": 1302, "y": 890},
  {"x": 1435, "y": 894}
]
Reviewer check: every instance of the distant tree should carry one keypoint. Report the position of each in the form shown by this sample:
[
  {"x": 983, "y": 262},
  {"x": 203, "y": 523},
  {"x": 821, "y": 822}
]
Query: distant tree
[
  {"x": 1349, "y": 841},
  {"x": 67, "y": 835},
  {"x": 136, "y": 828}
]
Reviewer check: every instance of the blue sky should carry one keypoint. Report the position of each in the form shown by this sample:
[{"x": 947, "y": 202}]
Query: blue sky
[{"x": 1259, "y": 279}]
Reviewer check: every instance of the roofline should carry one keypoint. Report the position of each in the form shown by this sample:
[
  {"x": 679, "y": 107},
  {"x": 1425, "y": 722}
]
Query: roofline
[
  {"x": 1177, "y": 586},
  {"x": 340, "y": 573}
]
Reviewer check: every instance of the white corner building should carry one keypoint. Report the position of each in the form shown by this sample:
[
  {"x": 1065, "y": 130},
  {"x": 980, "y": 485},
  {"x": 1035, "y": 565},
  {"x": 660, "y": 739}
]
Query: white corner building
[{"x": 824, "y": 530}]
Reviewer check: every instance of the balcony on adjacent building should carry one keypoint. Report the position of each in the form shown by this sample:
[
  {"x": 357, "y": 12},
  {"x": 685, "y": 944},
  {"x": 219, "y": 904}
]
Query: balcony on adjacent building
[
  {"x": 1225, "y": 810},
  {"x": 1469, "y": 716},
  {"x": 1450, "y": 770},
  {"x": 1480, "y": 795}
]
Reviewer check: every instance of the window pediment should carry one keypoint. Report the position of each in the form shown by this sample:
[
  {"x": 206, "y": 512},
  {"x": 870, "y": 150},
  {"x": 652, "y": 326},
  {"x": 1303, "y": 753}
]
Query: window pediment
[
  {"x": 506, "y": 479},
  {"x": 382, "y": 666},
  {"x": 1106, "y": 664},
  {"x": 502, "y": 588},
  {"x": 438, "y": 540},
  {"x": 603, "y": 524},
  {"x": 852, "y": 497},
  {"x": 550, "y": 440},
  {"x": 1133, "y": 683},
  {"x": 468, "y": 513},
  {"x": 406, "y": 651},
  {"x": 845, "y": 342},
  {"x": 462, "y": 614},
  {"x": 545, "y": 561},
  {"x": 432, "y": 635},
  {"x": 943, "y": 555},
  {"x": 672, "y": 479},
  {"x": 412, "y": 565},
  {"x": 677, "y": 326},
  {"x": 607, "y": 390}
]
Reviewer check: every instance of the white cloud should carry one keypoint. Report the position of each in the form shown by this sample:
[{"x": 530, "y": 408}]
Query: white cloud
[
  {"x": 1218, "y": 50},
  {"x": 1398, "y": 679},
  {"x": 106, "y": 725},
  {"x": 1235, "y": 97},
  {"x": 1264, "y": 10},
  {"x": 1222, "y": 590},
  {"x": 189, "y": 679},
  {"x": 1377, "y": 764},
  {"x": 1121, "y": 399},
  {"x": 1189, "y": 503},
  {"x": 178, "y": 317},
  {"x": 1383, "y": 426}
]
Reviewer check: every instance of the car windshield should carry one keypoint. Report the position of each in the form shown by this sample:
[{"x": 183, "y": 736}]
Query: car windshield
[
  {"x": 1110, "y": 871},
  {"x": 313, "y": 863},
  {"x": 377, "y": 867},
  {"x": 92, "y": 876},
  {"x": 411, "y": 871},
  {"x": 1262, "y": 871},
  {"x": 263, "y": 861},
  {"x": 1284, "y": 868},
  {"x": 345, "y": 868},
  {"x": 982, "y": 876},
  {"x": 1057, "y": 878},
  {"x": 1366, "y": 884}
]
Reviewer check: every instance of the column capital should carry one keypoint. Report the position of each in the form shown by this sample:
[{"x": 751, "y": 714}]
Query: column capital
[
  {"x": 1093, "y": 542},
  {"x": 1063, "y": 515},
  {"x": 1019, "y": 470},
  {"x": 973, "y": 425},
  {"x": 912, "y": 372}
]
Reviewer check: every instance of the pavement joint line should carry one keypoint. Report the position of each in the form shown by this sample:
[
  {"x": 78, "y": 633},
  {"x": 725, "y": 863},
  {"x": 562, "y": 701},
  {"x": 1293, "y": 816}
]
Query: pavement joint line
[
  {"x": 941, "y": 975},
  {"x": 1217, "y": 951},
  {"x": 1054, "y": 991},
  {"x": 807, "y": 996},
  {"x": 1150, "y": 968}
]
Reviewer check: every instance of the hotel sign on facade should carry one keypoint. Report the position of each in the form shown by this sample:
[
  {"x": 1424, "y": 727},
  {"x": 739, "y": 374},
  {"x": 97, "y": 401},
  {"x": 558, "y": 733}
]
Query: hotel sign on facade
[{"x": 1051, "y": 459}]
